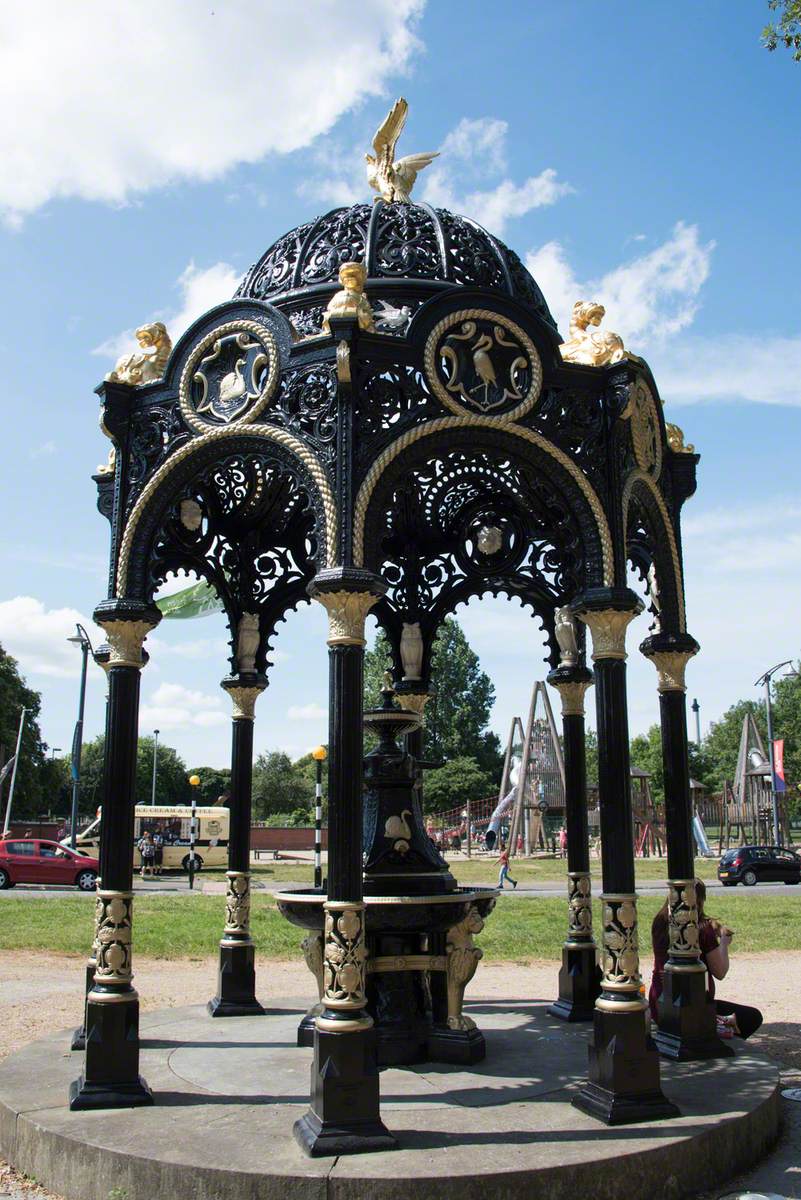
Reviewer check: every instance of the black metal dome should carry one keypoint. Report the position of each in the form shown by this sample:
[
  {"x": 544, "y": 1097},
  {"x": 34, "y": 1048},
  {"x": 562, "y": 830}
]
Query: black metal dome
[{"x": 410, "y": 251}]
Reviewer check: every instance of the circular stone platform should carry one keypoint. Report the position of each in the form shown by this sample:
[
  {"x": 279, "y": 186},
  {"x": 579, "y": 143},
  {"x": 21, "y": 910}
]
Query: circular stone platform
[{"x": 228, "y": 1092}]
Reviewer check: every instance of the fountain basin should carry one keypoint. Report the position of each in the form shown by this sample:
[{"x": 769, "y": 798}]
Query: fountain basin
[{"x": 408, "y": 914}]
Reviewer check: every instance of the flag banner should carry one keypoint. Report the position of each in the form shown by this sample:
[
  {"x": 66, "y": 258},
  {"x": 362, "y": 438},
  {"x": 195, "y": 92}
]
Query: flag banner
[
  {"x": 75, "y": 759},
  {"x": 199, "y": 600},
  {"x": 8, "y": 767},
  {"x": 779, "y": 782}
]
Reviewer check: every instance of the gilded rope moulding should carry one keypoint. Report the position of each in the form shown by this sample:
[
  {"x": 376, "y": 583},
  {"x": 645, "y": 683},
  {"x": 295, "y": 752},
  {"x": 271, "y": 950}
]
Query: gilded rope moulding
[
  {"x": 608, "y": 628},
  {"x": 670, "y": 666},
  {"x": 346, "y": 615}
]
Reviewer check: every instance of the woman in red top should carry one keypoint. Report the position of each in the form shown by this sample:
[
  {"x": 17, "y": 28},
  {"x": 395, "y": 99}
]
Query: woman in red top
[
  {"x": 503, "y": 873},
  {"x": 714, "y": 939}
]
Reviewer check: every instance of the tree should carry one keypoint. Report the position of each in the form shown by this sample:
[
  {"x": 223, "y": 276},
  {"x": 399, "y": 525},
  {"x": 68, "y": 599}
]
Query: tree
[
  {"x": 457, "y": 717},
  {"x": 14, "y": 696},
  {"x": 172, "y": 780},
  {"x": 722, "y": 743},
  {"x": 646, "y": 753},
  {"x": 456, "y": 782},
  {"x": 214, "y": 782},
  {"x": 787, "y": 725},
  {"x": 788, "y": 30},
  {"x": 281, "y": 786}
]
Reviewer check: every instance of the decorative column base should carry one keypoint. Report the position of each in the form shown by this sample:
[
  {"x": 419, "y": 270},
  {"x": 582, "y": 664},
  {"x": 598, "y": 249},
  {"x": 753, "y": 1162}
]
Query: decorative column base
[
  {"x": 111, "y": 1076},
  {"x": 236, "y": 982},
  {"x": 624, "y": 1085},
  {"x": 78, "y": 1041},
  {"x": 344, "y": 1098},
  {"x": 579, "y": 983},
  {"x": 687, "y": 1027}
]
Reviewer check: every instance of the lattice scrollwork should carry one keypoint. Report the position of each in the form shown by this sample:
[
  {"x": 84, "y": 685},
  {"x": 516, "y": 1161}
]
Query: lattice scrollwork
[
  {"x": 477, "y": 361},
  {"x": 113, "y": 949},
  {"x": 237, "y": 905},
  {"x": 579, "y": 907}
]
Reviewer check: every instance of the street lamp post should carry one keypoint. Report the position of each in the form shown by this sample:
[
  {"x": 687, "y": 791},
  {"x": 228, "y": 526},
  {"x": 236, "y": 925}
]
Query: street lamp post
[
  {"x": 155, "y": 766},
  {"x": 81, "y": 638},
  {"x": 764, "y": 680},
  {"x": 319, "y": 755},
  {"x": 696, "y": 707}
]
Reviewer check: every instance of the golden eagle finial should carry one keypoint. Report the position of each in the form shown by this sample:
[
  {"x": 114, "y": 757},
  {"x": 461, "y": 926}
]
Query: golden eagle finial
[{"x": 394, "y": 180}]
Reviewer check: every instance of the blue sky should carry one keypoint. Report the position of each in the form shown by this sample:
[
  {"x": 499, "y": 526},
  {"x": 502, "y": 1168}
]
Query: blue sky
[{"x": 643, "y": 155}]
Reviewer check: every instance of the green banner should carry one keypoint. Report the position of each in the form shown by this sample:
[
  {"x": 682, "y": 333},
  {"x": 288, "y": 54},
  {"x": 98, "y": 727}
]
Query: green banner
[{"x": 199, "y": 600}]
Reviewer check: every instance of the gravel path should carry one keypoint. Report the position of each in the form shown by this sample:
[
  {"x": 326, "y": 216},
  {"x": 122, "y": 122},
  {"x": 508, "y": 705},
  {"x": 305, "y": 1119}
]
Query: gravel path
[{"x": 42, "y": 993}]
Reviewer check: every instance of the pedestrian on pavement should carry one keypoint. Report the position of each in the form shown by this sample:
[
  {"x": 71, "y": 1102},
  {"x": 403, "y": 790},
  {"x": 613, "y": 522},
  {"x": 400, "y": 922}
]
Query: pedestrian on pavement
[
  {"x": 158, "y": 850},
  {"x": 503, "y": 873},
  {"x": 563, "y": 842},
  {"x": 148, "y": 852}
]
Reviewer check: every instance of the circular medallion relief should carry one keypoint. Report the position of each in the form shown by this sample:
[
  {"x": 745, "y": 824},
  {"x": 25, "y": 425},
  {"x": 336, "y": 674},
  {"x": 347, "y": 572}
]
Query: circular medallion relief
[
  {"x": 645, "y": 434},
  {"x": 480, "y": 363},
  {"x": 230, "y": 376}
]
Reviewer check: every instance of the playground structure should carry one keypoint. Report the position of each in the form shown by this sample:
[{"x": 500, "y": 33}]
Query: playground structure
[{"x": 745, "y": 814}]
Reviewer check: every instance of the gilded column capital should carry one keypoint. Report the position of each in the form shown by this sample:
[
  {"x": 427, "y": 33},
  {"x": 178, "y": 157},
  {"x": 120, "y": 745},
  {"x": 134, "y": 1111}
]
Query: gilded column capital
[
  {"x": 243, "y": 698},
  {"x": 413, "y": 702},
  {"x": 126, "y": 640},
  {"x": 608, "y": 629},
  {"x": 670, "y": 666},
  {"x": 572, "y": 693},
  {"x": 346, "y": 615}
]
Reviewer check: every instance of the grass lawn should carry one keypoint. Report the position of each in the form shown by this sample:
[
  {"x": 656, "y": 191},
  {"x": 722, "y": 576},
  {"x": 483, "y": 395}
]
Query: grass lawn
[
  {"x": 483, "y": 868},
  {"x": 521, "y": 928}
]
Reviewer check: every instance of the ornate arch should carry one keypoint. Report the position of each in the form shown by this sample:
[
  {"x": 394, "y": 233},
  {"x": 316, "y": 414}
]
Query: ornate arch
[
  {"x": 641, "y": 495},
  {"x": 522, "y": 444},
  {"x": 200, "y": 454}
]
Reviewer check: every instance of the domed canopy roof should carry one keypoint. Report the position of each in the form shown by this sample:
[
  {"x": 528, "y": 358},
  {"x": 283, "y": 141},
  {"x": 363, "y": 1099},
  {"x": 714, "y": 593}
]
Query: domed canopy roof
[{"x": 412, "y": 243}]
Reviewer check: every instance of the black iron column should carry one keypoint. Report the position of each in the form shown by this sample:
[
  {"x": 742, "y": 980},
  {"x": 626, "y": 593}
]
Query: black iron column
[
  {"x": 236, "y": 977},
  {"x": 624, "y": 1084},
  {"x": 111, "y": 1076},
  {"x": 579, "y": 976},
  {"x": 687, "y": 1027},
  {"x": 344, "y": 1114}
]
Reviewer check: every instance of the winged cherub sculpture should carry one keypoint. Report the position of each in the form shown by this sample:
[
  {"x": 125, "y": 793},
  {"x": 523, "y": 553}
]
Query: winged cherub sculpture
[{"x": 394, "y": 179}]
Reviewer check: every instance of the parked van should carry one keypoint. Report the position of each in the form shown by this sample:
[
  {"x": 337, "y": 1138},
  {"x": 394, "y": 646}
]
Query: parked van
[{"x": 172, "y": 822}]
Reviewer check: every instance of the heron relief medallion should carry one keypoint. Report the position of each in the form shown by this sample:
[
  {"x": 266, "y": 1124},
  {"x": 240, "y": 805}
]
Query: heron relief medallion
[
  {"x": 230, "y": 376},
  {"x": 480, "y": 363}
]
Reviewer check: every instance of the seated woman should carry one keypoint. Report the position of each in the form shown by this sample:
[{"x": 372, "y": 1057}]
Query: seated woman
[{"x": 734, "y": 1020}]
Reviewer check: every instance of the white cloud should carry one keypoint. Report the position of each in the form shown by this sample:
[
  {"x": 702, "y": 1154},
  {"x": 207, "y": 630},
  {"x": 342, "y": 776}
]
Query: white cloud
[
  {"x": 116, "y": 99},
  {"x": 306, "y": 712},
  {"x": 476, "y": 151},
  {"x": 44, "y": 450},
  {"x": 173, "y": 706},
  {"x": 760, "y": 370},
  {"x": 37, "y": 636},
  {"x": 200, "y": 289},
  {"x": 647, "y": 299}
]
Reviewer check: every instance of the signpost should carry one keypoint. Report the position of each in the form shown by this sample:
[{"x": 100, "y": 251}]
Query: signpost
[
  {"x": 195, "y": 782},
  {"x": 319, "y": 755}
]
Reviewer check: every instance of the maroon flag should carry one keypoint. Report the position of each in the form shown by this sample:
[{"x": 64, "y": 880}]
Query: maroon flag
[{"x": 779, "y": 782}]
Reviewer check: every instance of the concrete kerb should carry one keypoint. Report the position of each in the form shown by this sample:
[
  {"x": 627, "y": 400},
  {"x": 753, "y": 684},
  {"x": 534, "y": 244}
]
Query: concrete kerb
[{"x": 504, "y": 1129}]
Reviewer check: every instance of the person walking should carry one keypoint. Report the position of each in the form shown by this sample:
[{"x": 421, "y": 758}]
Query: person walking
[
  {"x": 563, "y": 842},
  {"x": 503, "y": 873},
  {"x": 148, "y": 852},
  {"x": 158, "y": 851}
]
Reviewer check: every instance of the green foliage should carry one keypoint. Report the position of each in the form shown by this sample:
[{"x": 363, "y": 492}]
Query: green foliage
[
  {"x": 787, "y": 725},
  {"x": 458, "y": 715},
  {"x": 14, "y": 696},
  {"x": 787, "y": 31},
  {"x": 646, "y": 753},
  {"x": 723, "y": 741},
  {"x": 172, "y": 779},
  {"x": 458, "y": 780},
  {"x": 214, "y": 782},
  {"x": 591, "y": 752},
  {"x": 283, "y": 787}
]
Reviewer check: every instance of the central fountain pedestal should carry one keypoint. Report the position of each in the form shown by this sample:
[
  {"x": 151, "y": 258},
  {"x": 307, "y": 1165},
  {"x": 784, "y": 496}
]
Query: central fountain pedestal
[{"x": 420, "y": 924}]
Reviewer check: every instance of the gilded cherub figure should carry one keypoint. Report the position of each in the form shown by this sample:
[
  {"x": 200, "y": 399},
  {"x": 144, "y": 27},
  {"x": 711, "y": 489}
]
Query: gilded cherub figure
[
  {"x": 589, "y": 348},
  {"x": 394, "y": 179},
  {"x": 149, "y": 365},
  {"x": 351, "y": 301}
]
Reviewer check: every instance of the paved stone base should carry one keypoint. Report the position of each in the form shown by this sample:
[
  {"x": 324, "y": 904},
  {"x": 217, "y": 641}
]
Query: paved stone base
[{"x": 227, "y": 1093}]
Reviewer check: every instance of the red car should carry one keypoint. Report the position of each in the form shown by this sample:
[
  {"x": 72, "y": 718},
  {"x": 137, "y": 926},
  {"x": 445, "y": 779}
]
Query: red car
[{"x": 31, "y": 860}]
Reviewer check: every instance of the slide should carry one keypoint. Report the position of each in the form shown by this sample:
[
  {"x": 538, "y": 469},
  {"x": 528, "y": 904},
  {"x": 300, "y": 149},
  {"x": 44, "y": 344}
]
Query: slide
[
  {"x": 491, "y": 836},
  {"x": 700, "y": 837}
]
